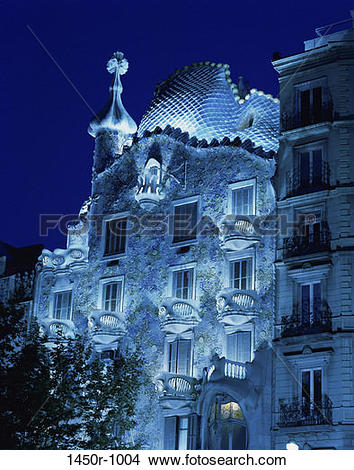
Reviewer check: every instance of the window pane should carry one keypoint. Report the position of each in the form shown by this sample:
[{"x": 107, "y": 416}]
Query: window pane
[
  {"x": 115, "y": 236},
  {"x": 62, "y": 305},
  {"x": 183, "y": 433},
  {"x": 305, "y": 107},
  {"x": 317, "y": 386},
  {"x": 185, "y": 222},
  {"x": 317, "y": 103},
  {"x": 112, "y": 292},
  {"x": 241, "y": 274},
  {"x": 304, "y": 169},
  {"x": 242, "y": 201},
  {"x": 182, "y": 284},
  {"x": 238, "y": 346},
  {"x": 170, "y": 433},
  {"x": 306, "y": 389},
  {"x": 183, "y": 356},
  {"x": 316, "y": 167}
]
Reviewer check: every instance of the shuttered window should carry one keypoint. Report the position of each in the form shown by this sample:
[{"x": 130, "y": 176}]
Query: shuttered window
[{"x": 238, "y": 346}]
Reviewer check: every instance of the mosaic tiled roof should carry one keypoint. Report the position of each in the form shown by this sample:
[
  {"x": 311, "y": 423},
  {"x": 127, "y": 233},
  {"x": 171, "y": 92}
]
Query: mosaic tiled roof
[{"x": 202, "y": 101}]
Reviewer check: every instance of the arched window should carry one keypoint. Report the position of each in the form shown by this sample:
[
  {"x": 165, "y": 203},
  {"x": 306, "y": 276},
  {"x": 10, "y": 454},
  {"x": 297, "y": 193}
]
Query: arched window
[{"x": 227, "y": 425}]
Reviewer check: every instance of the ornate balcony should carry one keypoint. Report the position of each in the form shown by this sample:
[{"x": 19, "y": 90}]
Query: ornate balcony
[
  {"x": 238, "y": 232},
  {"x": 178, "y": 315},
  {"x": 58, "y": 329},
  {"x": 222, "y": 368},
  {"x": 291, "y": 121},
  {"x": 297, "y": 412},
  {"x": 306, "y": 323},
  {"x": 298, "y": 182},
  {"x": 106, "y": 327},
  {"x": 176, "y": 385},
  {"x": 299, "y": 245},
  {"x": 236, "y": 306},
  {"x": 149, "y": 192}
]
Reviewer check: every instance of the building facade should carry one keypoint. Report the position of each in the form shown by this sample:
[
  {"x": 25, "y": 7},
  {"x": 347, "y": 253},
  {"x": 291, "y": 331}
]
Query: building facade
[{"x": 218, "y": 239}]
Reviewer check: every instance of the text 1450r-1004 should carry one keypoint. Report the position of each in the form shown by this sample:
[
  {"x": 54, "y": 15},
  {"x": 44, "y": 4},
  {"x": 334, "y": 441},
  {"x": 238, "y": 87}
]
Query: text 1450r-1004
[{"x": 94, "y": 459}]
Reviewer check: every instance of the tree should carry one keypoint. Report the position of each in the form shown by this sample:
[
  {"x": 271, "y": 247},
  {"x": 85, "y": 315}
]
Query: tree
[{"x": 65, "y": 396}]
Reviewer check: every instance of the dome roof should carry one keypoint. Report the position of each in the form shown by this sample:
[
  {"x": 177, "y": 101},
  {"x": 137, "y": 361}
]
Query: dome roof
[{"x": 202, "y": 101}]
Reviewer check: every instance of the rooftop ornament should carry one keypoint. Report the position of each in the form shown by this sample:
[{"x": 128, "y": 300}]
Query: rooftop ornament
[{"x": 114, "y": 117}]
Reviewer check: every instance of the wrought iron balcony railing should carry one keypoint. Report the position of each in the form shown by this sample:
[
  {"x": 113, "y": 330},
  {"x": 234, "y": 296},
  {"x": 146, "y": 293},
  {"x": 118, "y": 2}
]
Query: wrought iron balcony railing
[
  {"x": 306, "y": 322},
  {"x": 314, "y": 242},
  {"x": 298, "y": 412},
  {"x": 299, "y": 182},
  {"x": 291, "y": 121},
  {"x": 176, "y": 385}
]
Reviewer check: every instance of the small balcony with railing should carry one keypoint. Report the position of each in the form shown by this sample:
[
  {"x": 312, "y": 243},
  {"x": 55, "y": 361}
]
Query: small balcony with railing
[
  {"x": 106, "y": 327},
  {"x": 307, "y": 322},
  {"x": 57, "y": 329},
  {"x": 236, "y": 306},
  {"x": 300, "y": 412},
  {"x": 315, "y": 241},
  {"x": 224, "y": 369},
  {"x": 308, "y": 117},
  {"x": 176, "y": 387},
  {"x": 299, "y": 181},
  {"x": 238, "y": 232},
  {"x": 178, "y": 315}
]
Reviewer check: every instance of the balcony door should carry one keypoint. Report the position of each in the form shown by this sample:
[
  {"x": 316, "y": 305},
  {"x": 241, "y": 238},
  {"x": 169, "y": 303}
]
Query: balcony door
[
  {"x": 311, "y": 389},
  {"x": 179, "y": 360},
  {"x": 310, "y": 168},
  {"x": 238, "y": 346},
  {"x": 311, "y": 301}
]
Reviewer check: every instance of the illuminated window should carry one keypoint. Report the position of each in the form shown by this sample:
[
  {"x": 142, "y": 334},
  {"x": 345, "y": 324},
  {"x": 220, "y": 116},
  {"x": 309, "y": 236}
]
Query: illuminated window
[
  {"x": 112, "y": 294},
  {"x": 182, "y": 283},
  {"x": 241, "y": 274},
  {"x": 242, "y": 198},
  {"x": 179, "y": 360},
  {"x": 227, "y": 426},
  {"x": 62, "y": 305},
  {"x": 238, "y": 346}
]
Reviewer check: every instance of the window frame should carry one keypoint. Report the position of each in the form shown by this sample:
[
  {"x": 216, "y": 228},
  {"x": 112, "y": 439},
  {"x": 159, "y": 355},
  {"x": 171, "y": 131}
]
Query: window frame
[
  {"x": 101, "y": 286},
  {"x": 53, "y": 302},
  {"x": 310, "y": 85},
  {"x": 240, "y": 185},
  {"x": 182, "y": 202},
  {"x": 238, "y": 256},
  {"x": 310, "y": 148},
  {"x": 312, "y": 382},
  {"x": 182, "y": 267},
  {"x": 106, "y": 220}
]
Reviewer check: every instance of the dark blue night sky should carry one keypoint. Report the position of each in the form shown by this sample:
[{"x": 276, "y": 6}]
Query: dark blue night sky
[{"x": 45, "y": 149}]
